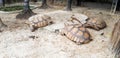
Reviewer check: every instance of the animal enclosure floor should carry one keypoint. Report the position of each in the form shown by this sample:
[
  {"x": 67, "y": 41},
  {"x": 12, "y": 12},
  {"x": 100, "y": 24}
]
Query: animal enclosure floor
[{"x": 16, "y": 41}]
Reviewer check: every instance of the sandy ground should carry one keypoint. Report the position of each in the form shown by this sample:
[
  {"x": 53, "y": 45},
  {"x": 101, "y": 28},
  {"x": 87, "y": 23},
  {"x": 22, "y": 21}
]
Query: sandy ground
[{"x": 15, "y": 41}]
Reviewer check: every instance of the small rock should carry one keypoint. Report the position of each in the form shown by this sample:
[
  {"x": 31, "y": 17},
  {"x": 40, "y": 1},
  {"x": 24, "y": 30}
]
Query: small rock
[
  {"x": 33, "y": 37},
  {"x": 100, "y": 13},
  {"x": 56, "y": 31},
  {"x": 102, "y": 33}
]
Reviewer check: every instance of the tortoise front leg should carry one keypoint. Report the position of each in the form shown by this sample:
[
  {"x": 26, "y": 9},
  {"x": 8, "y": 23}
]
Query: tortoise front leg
[
  {"x": 96, "y": 28},
  {"x": 32, "y": 28}
]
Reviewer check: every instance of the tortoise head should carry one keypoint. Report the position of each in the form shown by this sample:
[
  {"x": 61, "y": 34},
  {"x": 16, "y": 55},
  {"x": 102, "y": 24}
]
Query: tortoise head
[
  {"x": 73, "y": 19},
  {"x": 87, "y": 24},
  {"x": 48, "y": 18},
  {"x": 87, "y": 19}
]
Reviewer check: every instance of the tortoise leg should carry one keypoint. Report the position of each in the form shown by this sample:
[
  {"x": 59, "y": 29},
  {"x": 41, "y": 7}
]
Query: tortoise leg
[
  {"x": 87, "y": 41},
  {"x": 79, "y": 43},
  {"x": 32, "y": 28},
  {"x": 62, "y": 33},
  {"x": 86, "y": 25},
  {"x": 96, "y": 28}
]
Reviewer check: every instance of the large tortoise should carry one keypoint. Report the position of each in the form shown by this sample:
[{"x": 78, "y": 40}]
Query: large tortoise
[
  {"x": 95, "y": 23},
  {"x": 38, "y": 21},
  {"x": 76, "y": 33}
]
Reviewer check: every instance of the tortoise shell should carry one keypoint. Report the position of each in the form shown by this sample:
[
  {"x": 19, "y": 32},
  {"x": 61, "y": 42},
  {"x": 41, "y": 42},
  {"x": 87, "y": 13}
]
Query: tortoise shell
[
  {"x": 76, "y": 33},
  {"x": 95, "y": 23},
  {"x": 39, "y": 21}
]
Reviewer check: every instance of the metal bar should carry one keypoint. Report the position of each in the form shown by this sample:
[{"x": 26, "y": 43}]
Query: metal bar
[{"x": 114, "y": 6}]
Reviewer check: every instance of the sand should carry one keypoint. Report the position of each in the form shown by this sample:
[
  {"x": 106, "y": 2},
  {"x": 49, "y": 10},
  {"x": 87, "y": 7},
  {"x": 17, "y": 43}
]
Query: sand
[{"x": 16, "y": 41}]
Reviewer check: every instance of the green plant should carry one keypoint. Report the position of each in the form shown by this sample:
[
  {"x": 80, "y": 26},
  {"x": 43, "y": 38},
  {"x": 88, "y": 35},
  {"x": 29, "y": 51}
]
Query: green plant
[{"x": 12, "y": 8}]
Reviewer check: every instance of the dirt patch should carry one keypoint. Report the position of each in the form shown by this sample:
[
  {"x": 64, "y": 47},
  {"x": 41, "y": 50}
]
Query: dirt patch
[{"x": 15, "y": 41}]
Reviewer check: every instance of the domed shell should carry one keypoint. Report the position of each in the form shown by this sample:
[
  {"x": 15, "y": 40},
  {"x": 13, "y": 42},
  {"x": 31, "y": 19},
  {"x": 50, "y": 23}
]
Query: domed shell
[
  {"x": 39, "y": 21},
  {"x": 79, "y": 34},
  {"x": 95, "y": 23}
]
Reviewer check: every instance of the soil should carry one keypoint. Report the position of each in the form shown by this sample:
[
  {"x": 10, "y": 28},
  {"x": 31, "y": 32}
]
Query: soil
[{"x": 17, "y": 41}]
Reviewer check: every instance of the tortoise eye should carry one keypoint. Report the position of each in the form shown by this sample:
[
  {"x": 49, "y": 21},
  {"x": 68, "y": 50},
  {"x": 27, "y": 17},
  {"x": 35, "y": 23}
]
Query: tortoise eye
[
  {"x": 87, "y": 19},
  {"x": 51, "y": 22}
]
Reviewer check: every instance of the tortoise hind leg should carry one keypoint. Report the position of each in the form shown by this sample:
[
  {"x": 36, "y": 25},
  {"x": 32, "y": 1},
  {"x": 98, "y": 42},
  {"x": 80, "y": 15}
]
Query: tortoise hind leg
[
  {"x": 62, "y": 33},
  {"x": 87, "y": 41},
  {"x": 78, "y": 43}
]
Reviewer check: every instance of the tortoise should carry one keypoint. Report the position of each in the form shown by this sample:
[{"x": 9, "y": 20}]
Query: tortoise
[
  {"x": 39, "y": 21},
  {"x": 76, "y": 33},
  {"x": 95, "y": 23}
]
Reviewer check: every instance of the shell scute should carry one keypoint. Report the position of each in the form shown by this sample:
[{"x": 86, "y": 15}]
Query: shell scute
[
  {"x": 95, "y": 23},
  {"x": 79, "y": 35},
  {"x": 39, "y": 21}
]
